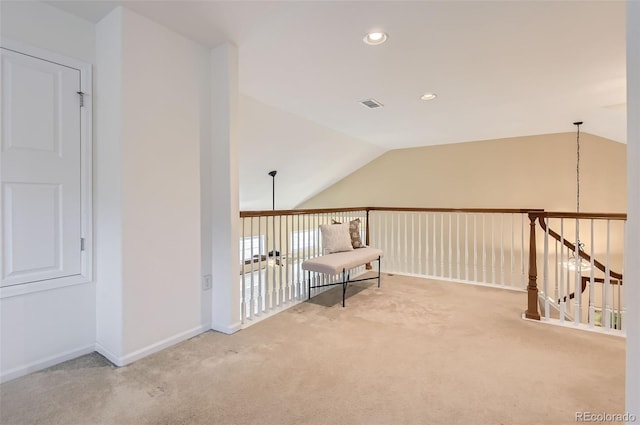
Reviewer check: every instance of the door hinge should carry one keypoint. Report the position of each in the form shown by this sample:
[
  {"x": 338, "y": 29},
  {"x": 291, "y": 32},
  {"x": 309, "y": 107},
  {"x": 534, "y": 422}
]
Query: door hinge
[
  {"x": 81, "y": 98},
  {"x": 81, "y": 244}
]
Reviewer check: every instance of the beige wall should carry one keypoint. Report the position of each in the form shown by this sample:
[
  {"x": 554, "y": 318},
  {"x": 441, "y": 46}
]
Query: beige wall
[{"x": 522, "y": 172}]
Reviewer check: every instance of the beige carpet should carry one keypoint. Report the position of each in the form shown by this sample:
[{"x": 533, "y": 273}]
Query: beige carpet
[{"x": 413, "y": 352}]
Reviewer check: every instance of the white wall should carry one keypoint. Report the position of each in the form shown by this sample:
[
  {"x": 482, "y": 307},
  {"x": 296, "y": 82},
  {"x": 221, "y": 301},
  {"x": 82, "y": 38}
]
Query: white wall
[
  {"x": 44, "y": 328},
  {"x": 224, "y": 188},
  {"x": 107, "y": 183},
  {"x": 632, "y": 248},
  {"x": 163, "y": 75},
  {"x": 152, "y": 116},
  {"x": 519, "y": 172},
  {"x": 161, "y": 78},
  {"x": 49, "y": 28}
]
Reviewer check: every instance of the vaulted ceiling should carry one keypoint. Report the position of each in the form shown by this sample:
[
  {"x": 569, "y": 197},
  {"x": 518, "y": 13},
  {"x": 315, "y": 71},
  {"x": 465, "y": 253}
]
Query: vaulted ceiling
[{"x": 500, "y": 69}]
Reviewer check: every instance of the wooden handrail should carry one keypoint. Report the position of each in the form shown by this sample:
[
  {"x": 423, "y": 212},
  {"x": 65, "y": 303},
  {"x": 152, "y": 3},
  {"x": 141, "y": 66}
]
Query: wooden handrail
[
  {"x": 584, "y": 216},
  {"x": 272, "y": 213},
  {"x": 537, "y": 211},
  {"x": 581, "y": 253},
  {"x": 459, "y": 210}
]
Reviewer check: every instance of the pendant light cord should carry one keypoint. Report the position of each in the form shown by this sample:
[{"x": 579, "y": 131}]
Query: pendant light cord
[
  {"x": 578, "y": 172},
  {"x": 578, "y": 124},
  {"x": 579, "y": 244}
]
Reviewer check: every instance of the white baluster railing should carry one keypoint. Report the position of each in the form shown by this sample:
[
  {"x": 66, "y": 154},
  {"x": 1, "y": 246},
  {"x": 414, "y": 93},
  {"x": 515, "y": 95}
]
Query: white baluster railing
[
  {"x": 587, "y": 293},
  {"x": 465, "y": 245},
  {"x": 479, "y": 246},
  {"x": 273, "y": 246}
]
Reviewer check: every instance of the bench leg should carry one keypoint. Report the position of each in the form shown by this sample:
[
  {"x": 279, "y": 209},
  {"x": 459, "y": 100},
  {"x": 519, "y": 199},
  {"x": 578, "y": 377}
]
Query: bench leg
[
  {"x": 379, "y": 267},
  {"x": 344, "y": 285},
  {"x": 309, "y": 287}
]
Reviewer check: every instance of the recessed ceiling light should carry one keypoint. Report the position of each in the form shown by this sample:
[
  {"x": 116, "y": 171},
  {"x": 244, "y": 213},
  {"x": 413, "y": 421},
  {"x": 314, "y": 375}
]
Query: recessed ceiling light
[
  {"x": 428, "y": 96},
  {"x": 375, "y": 38}
]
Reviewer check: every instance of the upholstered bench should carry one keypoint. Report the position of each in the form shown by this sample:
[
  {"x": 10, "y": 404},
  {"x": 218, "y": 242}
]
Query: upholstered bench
[{"x": 342, "y": 262}]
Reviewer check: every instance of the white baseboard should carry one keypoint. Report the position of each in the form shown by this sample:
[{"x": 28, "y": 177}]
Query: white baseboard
[
  {"x": 580, "y": 327},
  {"x": 116, "y": 360},
  {"x": 160, "y": 345},
  {"x": 227, "y": 329},
  {"x": 45, "y": 363},
  {"x": 466, "y": 282}
]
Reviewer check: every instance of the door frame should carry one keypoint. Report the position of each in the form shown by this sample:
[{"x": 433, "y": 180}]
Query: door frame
[{"x": 86, "y": 171}]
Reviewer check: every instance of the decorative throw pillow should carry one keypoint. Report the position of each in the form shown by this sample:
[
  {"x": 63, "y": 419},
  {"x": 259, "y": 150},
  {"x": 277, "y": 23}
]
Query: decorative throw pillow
[
  {"x": 335, "y": 238},
  {"x": 354, "y": 232}
]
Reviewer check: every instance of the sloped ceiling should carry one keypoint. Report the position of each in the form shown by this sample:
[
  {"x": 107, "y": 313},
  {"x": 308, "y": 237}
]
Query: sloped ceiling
[
  {"x": 500, "y": 69},
  {"x": 308, "y": 157}
]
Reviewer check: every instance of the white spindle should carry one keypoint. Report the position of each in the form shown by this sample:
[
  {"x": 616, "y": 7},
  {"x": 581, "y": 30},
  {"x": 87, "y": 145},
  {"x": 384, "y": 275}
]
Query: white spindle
[
  {"x": 623, "y": 326},
  {"x": 562, "y": 287},
  {"x": 420, "y": 269},
  {"x": 243, "y": 290},
  {"x": 288, "y": 294},
  {"x": 261, "y": 297},
  {"x": 386, "y": 235},
  {"x": 267, "y": 280},
  {"x": 434, "y": 252},
  {"x": 441, "y": 245},
  {"x": 501, "y": 249},
  {"x": 546, "y": 272},
  {"x": 577, "y": 286},
  {"x": 607, "y": 281},
  {"x": 484, "y": 251},
  {"x": 617, "y": 314},
  {"x": 391, "y": 245},
  {"x": 556, "y": 293},
  {"x": 426, "y": 245},
  {"x": 457, "y": 245},
  {"x": 511, "y": 250},
  {"x": 493, "y": 251},
  {"x": 303, "y": 248},
  {"x": 466, "y": 246},
  {"x": 592, "y": 307},
  {"x": 522, "y": 271},
  {"x": 406, "y": 243},
  {"x": 313, "y": 248},
  {"x": 398, "y": 244},
  {"x": 413, "y": 244},
  {"x": 280, "y": 261},
  {"x": 299, "y": 255},
  {"x": 243, "y": 303},
  {"x": 253, "y": 299},
  {"x": 274, "y": 289},
  {"x": 475, "y": 247},
  {"x": 449, "y": 249},
  {"x": 387, "y": 242}
]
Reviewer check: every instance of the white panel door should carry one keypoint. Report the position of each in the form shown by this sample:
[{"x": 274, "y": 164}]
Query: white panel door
[{"x": 40, "y": 160}]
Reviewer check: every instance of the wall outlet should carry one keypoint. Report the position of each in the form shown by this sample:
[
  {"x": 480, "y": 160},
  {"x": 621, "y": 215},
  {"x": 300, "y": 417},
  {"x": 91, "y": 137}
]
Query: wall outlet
[{"x": 206, "y": 282}]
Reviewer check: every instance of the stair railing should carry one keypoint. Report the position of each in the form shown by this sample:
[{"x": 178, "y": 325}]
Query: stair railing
[{"x": 572, "y": 270}]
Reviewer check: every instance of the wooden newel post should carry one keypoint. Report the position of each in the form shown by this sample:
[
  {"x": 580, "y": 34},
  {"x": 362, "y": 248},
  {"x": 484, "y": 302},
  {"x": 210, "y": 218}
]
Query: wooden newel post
[{"x": 532, "y": 288}]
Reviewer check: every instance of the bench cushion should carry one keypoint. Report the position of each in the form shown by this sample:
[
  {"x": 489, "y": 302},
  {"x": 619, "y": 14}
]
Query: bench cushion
[{"x": 335, "y": 263}]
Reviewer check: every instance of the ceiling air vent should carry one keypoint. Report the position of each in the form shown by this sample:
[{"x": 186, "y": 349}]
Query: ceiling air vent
[{"x": 371, "y": 103}]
